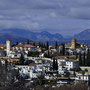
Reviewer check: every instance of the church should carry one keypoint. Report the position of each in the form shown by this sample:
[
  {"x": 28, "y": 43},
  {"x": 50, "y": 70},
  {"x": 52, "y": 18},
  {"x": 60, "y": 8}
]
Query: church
[{"x": 74, "y": 45}]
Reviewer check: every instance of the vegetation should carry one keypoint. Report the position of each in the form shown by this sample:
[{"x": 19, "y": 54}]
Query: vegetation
[
  {"x": 88, "y": 58},
  {"x": 83, "y": 72},
  {"x": 80, "y": 59},
  {"x": 33, "y": 53},
  {"x": 77, "y": 86},
  {"x": 56, "y": 45},
  {"x": 22, "y": 59},
  {"x": 28, "y": 42},
  {"x": 67, "y": 74},
  {"x": 47, "y": 46},
  {"x": 8, "y": 78},
  {"x": 62, "y": 52},
  {"x": 55, "y": 65},
  {"x": 84, "y": 59}
]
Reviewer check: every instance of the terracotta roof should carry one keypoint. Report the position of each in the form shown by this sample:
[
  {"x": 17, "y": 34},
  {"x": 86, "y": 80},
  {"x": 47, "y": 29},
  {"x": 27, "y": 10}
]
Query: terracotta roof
[
  {"x": 32, "y": 64},
  {"x": 24, "y": 46},
  {"x": 29, "y": 46},
  {"x": 9, "y": 40},
  {"x": 70, "y": 58}
]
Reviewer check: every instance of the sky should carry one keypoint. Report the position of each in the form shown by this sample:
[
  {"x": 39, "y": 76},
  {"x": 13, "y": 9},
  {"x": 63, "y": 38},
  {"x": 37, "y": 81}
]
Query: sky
[{"x": 67, "y": 17}]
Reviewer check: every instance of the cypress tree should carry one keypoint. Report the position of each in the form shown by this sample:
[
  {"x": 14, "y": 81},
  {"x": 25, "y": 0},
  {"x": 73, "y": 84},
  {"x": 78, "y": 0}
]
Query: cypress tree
[
  {"x": 56, "y": 65},
  {"x": 63, "y": 50},
  {"x": 44, "y": 46},
  {"x": 76, "y": 55},
  {"x": 80, "y": 59},
  {"x": 21, "y": 61},
  {"x": 53, "y": 64},
  {"x": 56, "y": 45},
  {"x": 6, "y": 64},
  {"x": 47, "y": 45},
  {"x": 17, "y": 43},
  {"x": 88, "y": 58},
  {"x": 48, "y": 54},
  {"x": 34, "y": 43},
  {"x": 67, "y": 53},
  {"x": 39, "y": 44},
  {"x": 84, "y": 59},
  {"x": 27, "y": 41}
]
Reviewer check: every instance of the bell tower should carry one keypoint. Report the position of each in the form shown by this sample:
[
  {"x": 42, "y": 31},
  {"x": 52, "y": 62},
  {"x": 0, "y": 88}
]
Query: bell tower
[
  {"x": 8, "y": 47},
  {"x": 73, "y": 44}
]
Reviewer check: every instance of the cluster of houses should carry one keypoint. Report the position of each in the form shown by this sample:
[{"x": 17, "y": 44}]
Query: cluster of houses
[{"x": 35, "y": 67}]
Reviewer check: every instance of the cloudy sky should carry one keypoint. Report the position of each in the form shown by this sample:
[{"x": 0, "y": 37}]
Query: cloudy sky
[{"x": 67, "y": 17}]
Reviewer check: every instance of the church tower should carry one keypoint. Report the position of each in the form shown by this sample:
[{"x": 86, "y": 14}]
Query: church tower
[
  {"x": 73, "y": 44},
  {"x": 8, "y": 47}
]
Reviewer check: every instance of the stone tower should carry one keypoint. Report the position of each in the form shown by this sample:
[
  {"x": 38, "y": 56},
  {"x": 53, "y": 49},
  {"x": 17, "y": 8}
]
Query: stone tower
[
  {"x": 73, "y": 44},
  {"x": 8, "y": 47}
]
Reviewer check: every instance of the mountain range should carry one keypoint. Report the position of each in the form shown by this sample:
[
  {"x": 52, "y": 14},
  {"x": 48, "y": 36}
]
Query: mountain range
[
  {"x": 84, "y": 35},
  {"x": 5, "y": 36},
  {"x": 34, "y": 36},
  {"x": 21, "y": 35}
]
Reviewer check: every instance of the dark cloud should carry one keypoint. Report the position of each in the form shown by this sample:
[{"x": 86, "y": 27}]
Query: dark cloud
[{"x": 54, "y": 15}]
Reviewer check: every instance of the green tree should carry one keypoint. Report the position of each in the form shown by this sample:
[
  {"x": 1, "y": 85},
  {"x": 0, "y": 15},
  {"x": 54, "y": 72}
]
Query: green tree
[
  {"x": 88, "y": 58},
  {"x": 17, "y": 43},
  {"x": 62, "y": 52},
  {"x": 83, "y": 72},
  {"x": 47, "y": 46},
  {"x": 67, "y": 53},
  {"x": 33, "y": 53},
  {"x": 56, "y": 45},
  {"x": 86, "y": 70},
  {"x": 34, "y": 43},
  {"x": 28, "y": 41},
  {"x": 44, "y": 46},
  {"x": 76, "y": 55},
  {"x": 22, "y": 59},
  {"x": 84, "y": 60},
  {"x": 39, "y": 44},
  {"x": 74, "y": 74},
  {"x": 54, "y": 64},
  {"x": 48, "y": 54},
  {"x": 80, "y": 59},
  {"x": 67, "y": 74}
]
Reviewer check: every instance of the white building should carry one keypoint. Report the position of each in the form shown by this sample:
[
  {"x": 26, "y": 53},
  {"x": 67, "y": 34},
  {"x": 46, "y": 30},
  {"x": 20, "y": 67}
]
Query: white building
[
  {"x": 72, "y": 65},
  {"x": 8, "y": 46},
  {"x": 14, "y": 55},
  {"x": 64, "y": 65},
  {"x": 27, "y": 70},
  {"x": 83, "y": 77},
  {"x": 62, "y": 70}
]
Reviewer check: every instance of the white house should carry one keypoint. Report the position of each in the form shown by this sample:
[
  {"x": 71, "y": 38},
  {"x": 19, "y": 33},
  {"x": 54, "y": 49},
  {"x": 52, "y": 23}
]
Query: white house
[
  {"x": 14, "y": 54},
  {"x": 27, "y": 70},
  {"x": 64, "y": 65},
  {"x": 83, "y": 77},
  {"x": 72, "y": 64}
]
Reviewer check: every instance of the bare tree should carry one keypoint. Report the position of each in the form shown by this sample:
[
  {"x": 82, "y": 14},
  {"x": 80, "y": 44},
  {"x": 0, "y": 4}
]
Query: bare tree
[{"x": 9, "y": 78}]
